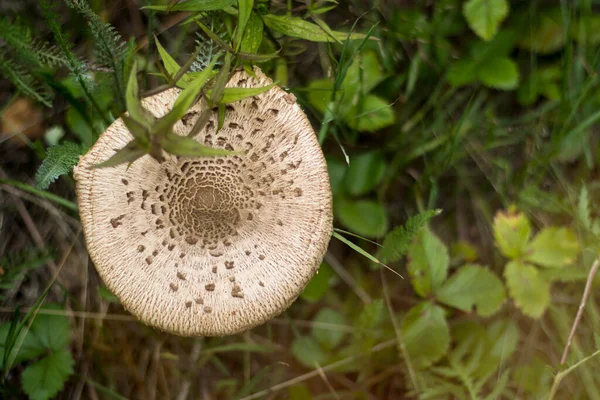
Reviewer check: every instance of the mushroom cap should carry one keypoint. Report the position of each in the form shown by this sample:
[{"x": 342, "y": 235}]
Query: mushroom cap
[{"x": 211, "y": 246}]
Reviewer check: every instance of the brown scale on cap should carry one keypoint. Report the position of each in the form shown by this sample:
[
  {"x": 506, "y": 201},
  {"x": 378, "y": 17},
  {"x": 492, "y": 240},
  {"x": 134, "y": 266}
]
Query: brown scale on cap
[{"x": 263, "y": 216}]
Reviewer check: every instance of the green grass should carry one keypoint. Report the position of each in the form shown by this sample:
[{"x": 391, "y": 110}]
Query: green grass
[{"x": 435, "y": 106}]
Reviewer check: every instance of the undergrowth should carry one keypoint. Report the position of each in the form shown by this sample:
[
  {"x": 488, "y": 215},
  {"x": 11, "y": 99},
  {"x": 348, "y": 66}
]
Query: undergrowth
[{"x": 462, "y": 148}]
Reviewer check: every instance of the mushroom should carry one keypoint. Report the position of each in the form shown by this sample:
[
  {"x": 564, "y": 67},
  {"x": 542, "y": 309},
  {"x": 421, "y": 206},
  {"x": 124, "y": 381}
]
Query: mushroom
[{"x": 211, "y": 246}]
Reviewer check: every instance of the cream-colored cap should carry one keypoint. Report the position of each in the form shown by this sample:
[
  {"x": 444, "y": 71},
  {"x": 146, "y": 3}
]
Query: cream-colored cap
[{"x": 214, "y": 245}]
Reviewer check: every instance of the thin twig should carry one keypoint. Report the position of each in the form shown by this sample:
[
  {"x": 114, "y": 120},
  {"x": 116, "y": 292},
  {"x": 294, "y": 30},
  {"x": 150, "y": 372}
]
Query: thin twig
[{"x": 586, "y": 293}]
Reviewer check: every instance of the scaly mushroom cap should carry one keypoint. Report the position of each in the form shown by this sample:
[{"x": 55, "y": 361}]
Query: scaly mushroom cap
[{"x": 215, "y": 245}]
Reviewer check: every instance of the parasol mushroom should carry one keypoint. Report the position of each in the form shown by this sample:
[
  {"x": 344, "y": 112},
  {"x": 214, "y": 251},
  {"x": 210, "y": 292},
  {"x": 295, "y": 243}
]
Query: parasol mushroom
[{"x": 215, "y": 245}]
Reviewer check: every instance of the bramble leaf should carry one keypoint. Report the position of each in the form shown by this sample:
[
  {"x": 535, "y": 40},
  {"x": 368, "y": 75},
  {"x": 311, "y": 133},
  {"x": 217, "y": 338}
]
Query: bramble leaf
[
  {"x": 485, "y": 16},
  {"x": 499, "y": 73},
  {"x": 553, "y": 247},
  {"x": 473, "y": 286},
  {"x": 428, "y": 263},
  {"x": 364, "y": 173},
  {"x": 328, "y": 338},
  {"x": 511, "y": 232},
  {"x": 527, "y": 288},
  {"x": 425, "y": 333},
  {"x": 44, "y": 379}
]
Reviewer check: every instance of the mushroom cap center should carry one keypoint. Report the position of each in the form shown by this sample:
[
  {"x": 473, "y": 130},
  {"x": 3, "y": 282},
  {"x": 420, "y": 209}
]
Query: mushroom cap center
[{"x": 204, "y": 200}]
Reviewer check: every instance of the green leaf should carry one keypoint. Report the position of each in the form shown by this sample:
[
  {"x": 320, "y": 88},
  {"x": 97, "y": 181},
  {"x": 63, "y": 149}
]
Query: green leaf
[
  {"x": 485, "y": 16},
  {"x": 365, "y": 173},
  {"x": 546, "y": 33},
  {"x": 169, "y": 62},
  {"x": 473, "y": 286},
  {"x": 127, "y": 154},
  {"x": 397, "y": 242},
  {"x": 299, "y": 28},
  {"x": 428, "y": 263},
  {"x": 253, "y": 35},
  {"x": 59, "y": 161},
  {"x": 187, "y": 147},
  {"x": 337, "y": 172},
  {"x": 527, "y": 288},
  {"x": 367, "y": 218},
  {"x": 319, "y": 284},
  {"x": 553, "y": 247},
  {"x": 371, "y": 114},
  {"x": 426, "y": 334},
  {"x": 244, "y": 12},
  {"x": 184, "y": 101},
  {"x": 499, "y": 73},
  {"x": 29, "y": 349},
  {"x": 583, "y": 208},
  {"x": 218, "y": 90},
  {"x": 44, "y": 379},
  {"x": 233, "y": 94},
  {"x": 462, "y": 72},
  {"x": 355, "y": 247},
  {"x": 137, "y": 130},
  {"x": 52, "y": 331},
  {"x": 511, "y": 232},
  {"x": 328, "y": 338},
  {"x": 132, "y": 99},
  {"x": 194, "y": 5},
  {"x": 587, "y": 30},
  {"x": 308, "y": 352},
  {"x": 368, "y": 320}
]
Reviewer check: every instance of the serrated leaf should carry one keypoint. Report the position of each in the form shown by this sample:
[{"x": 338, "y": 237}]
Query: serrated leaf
[
  {"x": 485, "y": 16},
  {"x": 194, "y": 5},
  {"x": 52, "y": 331},
  {"x": 553, "y": 247},
  {"x": 233, "y": 94},
  {"x": 426, "y": 334},
  {"x": 299, "y": 28},
  {"x": 397, "y": 242},
  {"x": 328, "y": 338},
  {"x": 473, "y": 286},
  {"x": 44, "y": 379},
  {"x": 364, "y": 173},
  {"x": 428, "y": 263},
  {"x": 59, "y": 161},
  {"x": 367, "y": 218},
  {"x": 499, "y": 73},
  {"x": 187, "y": 147},
  {"x": 512, "y": 231},
  {"x": 307, "y": 351},
  {"x": 319, "y": 284},
  {"x": 29, "y": 349},
  {"x": 527, "y": 288}
]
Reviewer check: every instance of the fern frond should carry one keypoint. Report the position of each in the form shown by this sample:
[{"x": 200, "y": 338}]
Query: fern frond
[
  {"x": 396, "y": 243},
  {"x": 60, "y": 161},
  {"x": 25, "y": 82},
  {"x": 111, "y": 50},
  {"x": 32, "y": 50},
  {"x": 207, "y": 48}
]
